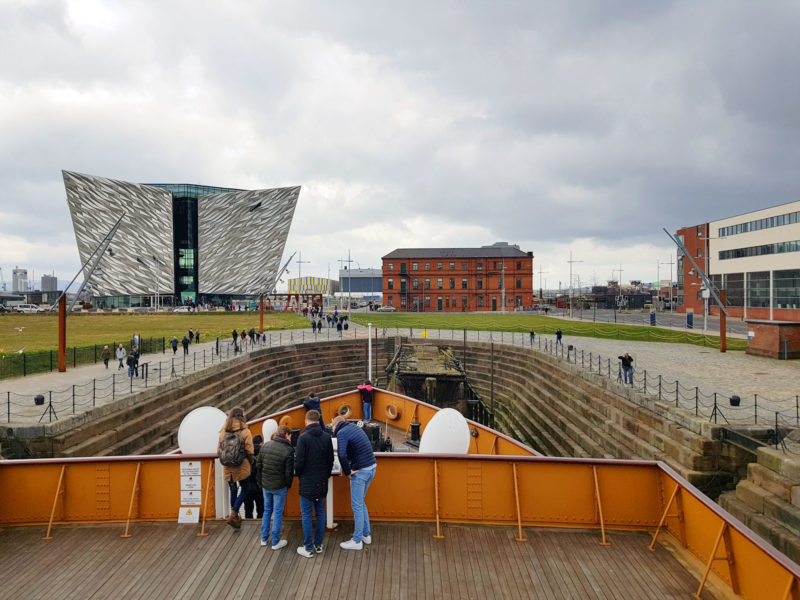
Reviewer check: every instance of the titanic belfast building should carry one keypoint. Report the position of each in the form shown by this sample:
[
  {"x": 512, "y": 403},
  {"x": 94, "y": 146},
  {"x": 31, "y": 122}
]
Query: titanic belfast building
[{"x": 179, "y": 243}]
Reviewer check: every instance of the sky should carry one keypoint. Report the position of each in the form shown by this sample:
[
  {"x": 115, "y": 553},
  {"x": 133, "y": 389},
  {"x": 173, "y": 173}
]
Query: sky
[{"x": 572, "y": 126}]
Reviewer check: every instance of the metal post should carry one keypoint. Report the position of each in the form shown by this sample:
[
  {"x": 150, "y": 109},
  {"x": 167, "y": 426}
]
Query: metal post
[
  {"x": 797, "y": 409},
  {"x": 609, "y": 367},
  {"x": 676, "y": 393},
  {"x": 492, "y": 384},
  {"x": 755, "y": 416},
  {"x": 776, "y": 430},
  {"x": 73, "y": 398},
  {"x": 715, "y": 407},
  {"x": 8, "y": 405},
  {"x": 645, "y": 381},
  {"x": 659, "y": 387},
  {"x": 94, "y": 386},
  {"x": 369, "y": 351},
  {"x": 696, "y": 395}
]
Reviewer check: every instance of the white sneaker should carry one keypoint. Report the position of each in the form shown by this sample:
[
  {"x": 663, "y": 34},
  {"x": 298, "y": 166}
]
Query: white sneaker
[
  {"x": 279, "y": 545},
  {"x": 351, "y": 545},
  {"x": 263, "y": 542},
  {"x": 367, "y": 539},
  {"x": 301, "y": 550}
]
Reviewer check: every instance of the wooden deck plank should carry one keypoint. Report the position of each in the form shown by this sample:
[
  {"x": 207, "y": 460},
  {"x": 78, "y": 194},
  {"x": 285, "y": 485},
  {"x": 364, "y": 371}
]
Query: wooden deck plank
[{"x": 164, "y": 560}]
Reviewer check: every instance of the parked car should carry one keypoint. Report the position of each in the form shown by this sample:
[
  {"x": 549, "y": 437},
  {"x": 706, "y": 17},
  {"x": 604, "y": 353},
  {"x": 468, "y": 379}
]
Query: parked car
[
  {"x": 182, "y": 309},
  {"x": 4, "y": 309},
  {"x": 387, "y": 309},
  {"x": 28, "y": 308}
]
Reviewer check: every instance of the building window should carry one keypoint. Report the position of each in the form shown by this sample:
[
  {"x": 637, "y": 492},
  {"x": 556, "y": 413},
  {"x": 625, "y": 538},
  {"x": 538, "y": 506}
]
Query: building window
[
  {"x": 427, "y": 301},
  {"x": 699, "y": 253},
  {"x": 758, "y": 289},
  {"x": 402, "y": 267},
  {"x": 438, "y": 266},
  {"x": 402, "y": 301},
  {"x": 452, "y": 266},
  {"x": 519, "y": 283},
  {"x": 480, "y": 283},
  {"x": 463, "y": 302},
  {"x": 452, "y": 283},
  {"x": 427, "y": 284},
  {"x": 390, "y": 284},
  {"x": 415, "y": 284},
  {"x": 777, "y": 248},
  {"x": 439, "y": 285},
  {"x": 519, "y": 265},
  {"x": 447, "y": 301},
  {"x": 427, "y": 266},
  {"x": 786, "y": 285},
  {"x": 402, "y": 286},
  {"x": 480, "y": 300},
  {"x": 390, "y": 267},
  {"x": 500, "y": 284},
  {"x": 389, "y": 300},
  {"x": 414, "y": 266},
  {"x": 494, "y": 265},
  {"x": 463, "y": 266},
  {"x": 463, "y": 283},
  {"x": 480, "y": 266}
]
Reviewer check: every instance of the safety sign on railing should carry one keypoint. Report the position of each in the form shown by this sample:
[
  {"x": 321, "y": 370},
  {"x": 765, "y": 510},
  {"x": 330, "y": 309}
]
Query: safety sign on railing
[{"x": 191, "y": 492}]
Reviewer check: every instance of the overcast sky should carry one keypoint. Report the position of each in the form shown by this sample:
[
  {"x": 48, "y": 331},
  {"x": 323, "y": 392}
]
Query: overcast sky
[{"x": 557, "y": 126}]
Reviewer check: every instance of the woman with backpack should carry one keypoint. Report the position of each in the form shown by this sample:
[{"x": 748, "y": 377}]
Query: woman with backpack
[{"x": 236, "y": 455}]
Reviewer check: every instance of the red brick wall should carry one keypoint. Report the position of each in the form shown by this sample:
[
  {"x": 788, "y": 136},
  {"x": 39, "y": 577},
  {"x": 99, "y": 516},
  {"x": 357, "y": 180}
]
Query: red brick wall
[
  {"x": 768, "y": 339},
  {"x": 693, "y": 243},
  {"x": 463, "y": 268}
]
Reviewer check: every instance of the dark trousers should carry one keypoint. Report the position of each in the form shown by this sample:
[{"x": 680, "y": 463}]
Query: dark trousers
[{"x": 254, "y": 498}]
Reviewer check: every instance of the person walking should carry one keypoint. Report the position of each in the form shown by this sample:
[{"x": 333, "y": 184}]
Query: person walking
[
  {"x": 275, "y": 465},
  {"x": 136, "y": 356},
  {"x": 191, "y": 335},
  {"x": 533, "y": 336},
  {"x": 313, "y": 326},
  {"x": 185, "y": 342},
  {"x": 339, "y": 328},
  {"x": 235, "y": 449},
  {"x": 174, "y": 343},
  {"x": 366, "y": 399},
  {"x": 313, "y": 465},
  {"x": 121, "y": 354},
  {"x": 627, "y": 367},
  {"x": 106, "y": 355},
  {"x": 358, "y": 465},
  {"x": 131, "y": 361},
  {"x": 558, "y": 336},
  {"x": 235, "y": 335}
]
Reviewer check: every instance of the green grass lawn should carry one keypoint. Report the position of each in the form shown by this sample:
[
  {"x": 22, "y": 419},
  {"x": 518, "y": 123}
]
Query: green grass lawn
[
  {"x": 41, "y": 331},
  {"x": 543, "y": 325}
]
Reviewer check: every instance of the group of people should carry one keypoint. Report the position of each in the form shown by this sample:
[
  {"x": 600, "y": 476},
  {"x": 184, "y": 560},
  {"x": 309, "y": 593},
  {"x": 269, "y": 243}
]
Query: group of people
[
  {"x": 129, "y": 360},
  {"x": 273, "y": 466},
  {"x": 243, "y": 337},
  {"x": 192, "y": 337}
]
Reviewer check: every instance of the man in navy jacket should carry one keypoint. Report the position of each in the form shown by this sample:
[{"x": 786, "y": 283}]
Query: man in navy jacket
[
  {"x": 358, "y": 465},
  {"x": 313, "y": 462}
]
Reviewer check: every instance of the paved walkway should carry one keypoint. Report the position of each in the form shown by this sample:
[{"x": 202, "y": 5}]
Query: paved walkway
[{"x": 776, "y": 383}]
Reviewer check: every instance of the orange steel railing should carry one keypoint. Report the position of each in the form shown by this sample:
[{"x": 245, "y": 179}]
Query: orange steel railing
[{"x": 519, "y": 491}]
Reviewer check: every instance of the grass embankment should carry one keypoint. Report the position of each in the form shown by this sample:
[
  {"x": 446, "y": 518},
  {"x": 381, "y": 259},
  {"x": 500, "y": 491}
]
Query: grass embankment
[
  {"x": 41, "y": 331},
  {"x": 542, "y": 325}
]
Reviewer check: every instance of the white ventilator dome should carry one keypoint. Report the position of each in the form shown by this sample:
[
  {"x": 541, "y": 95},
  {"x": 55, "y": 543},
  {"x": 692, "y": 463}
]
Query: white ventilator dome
[
  {"x": 268, "y": 429},
  {"x": 199, "y": 431},
  {"x": 446, "y": 433}
]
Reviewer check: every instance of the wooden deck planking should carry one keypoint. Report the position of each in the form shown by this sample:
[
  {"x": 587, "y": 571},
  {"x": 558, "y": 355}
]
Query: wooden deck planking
[{"x": 405, "y": 561}]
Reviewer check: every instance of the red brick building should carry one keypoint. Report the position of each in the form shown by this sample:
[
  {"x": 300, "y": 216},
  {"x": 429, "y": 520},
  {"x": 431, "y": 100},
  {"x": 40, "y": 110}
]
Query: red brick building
[{"x": 488, "y": 278}]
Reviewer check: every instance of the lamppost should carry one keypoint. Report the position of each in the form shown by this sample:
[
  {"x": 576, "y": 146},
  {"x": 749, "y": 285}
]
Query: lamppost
[{"x": 571, "y": 295}]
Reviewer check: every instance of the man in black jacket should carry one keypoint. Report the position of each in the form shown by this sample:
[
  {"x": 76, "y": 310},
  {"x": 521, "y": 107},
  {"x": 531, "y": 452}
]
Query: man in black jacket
[
  {"x": 313, "y": 465},
  {"x": 275, "y": 465}
]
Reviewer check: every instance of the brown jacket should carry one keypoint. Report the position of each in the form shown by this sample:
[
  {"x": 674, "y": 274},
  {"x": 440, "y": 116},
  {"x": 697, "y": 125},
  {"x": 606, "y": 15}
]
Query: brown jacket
[{"x": 243, "y": 470}]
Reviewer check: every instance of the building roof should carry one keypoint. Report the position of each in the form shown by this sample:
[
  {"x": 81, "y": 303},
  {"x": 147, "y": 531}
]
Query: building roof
[{"x": 496, "y": 250}]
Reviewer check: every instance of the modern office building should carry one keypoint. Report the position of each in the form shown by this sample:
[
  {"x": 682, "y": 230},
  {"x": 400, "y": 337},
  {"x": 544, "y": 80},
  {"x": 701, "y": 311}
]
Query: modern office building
[
  {"x": 49, "y": 283},
  {"x": 361, "y": 283},
  {"x": 313, "y": 285},
  {"x": 490, "y": 278},
  {"x": 179, "y": 243},
  {"x": 753, "y": 257}
]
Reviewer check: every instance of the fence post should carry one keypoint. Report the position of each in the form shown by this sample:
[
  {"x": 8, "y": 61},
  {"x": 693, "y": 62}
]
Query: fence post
[
  {"x": 204, "y": 358},
  {"x": 645, "y": 381},
  {"x": 797, "y": 408},
  {"x": 715, "y": 407},
  {"x": 51, "y": 361},
  {"x": 8, "y": 405},
  {"x": 755, "y": 416},
  {"x": 676, "y": 393},
  {"x": 73, "y": 398},
  {"x": 94, "y": 384},
  {"x": 163, "y": 345},
  {"x": 776, "y": 430},
  {"x": 74, "y": 357},
  {"x": 696, "y": 397},
  {"x": 591, "y": 362},
  {"x": 659, "y": 385},
  {"x": 24, "y": 365},
  {"x": 609, "y": 368}
]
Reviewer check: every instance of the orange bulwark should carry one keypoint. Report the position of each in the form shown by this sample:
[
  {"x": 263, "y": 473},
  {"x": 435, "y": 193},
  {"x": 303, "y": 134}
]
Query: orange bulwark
[{"x": 501, "y": 485}]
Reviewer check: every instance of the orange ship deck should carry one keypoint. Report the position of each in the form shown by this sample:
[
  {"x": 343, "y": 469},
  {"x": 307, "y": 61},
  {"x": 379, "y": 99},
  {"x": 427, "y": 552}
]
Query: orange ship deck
[{"x": 165, "y": 560}]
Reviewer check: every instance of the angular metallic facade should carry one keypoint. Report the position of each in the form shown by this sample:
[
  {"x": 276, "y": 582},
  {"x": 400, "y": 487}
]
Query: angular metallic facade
[
  {"x": 241, "y": 236},
  {"x": 95, "y": 204}
]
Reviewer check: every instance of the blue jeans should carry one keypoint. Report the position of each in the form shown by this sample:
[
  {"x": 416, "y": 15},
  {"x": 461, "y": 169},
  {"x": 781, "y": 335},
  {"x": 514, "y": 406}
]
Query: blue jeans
[
  {"x": 238, "y": 494},
  {"x": 359, "y": 484},
  {"x": 628, "y": 374},
  {"x": 306, "y": 508},
  {"x": 273, "y": 507},
  {"x": 367, "y": 410}
]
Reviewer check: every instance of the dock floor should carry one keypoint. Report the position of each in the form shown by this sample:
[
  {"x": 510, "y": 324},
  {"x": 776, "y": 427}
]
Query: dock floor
[{"x": 404, "y": 561}]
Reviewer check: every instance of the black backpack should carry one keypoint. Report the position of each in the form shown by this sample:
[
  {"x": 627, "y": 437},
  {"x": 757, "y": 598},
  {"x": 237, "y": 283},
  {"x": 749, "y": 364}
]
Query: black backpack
[{"x": 231, "y": 449}]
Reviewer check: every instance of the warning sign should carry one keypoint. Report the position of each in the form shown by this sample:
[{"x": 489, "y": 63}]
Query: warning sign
[
  {"x": 189, "y": 514},
  {"x": 191, "y": 498},
  {"x": 190, "y": 468},
  {"x": 190, "y": 483}
]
